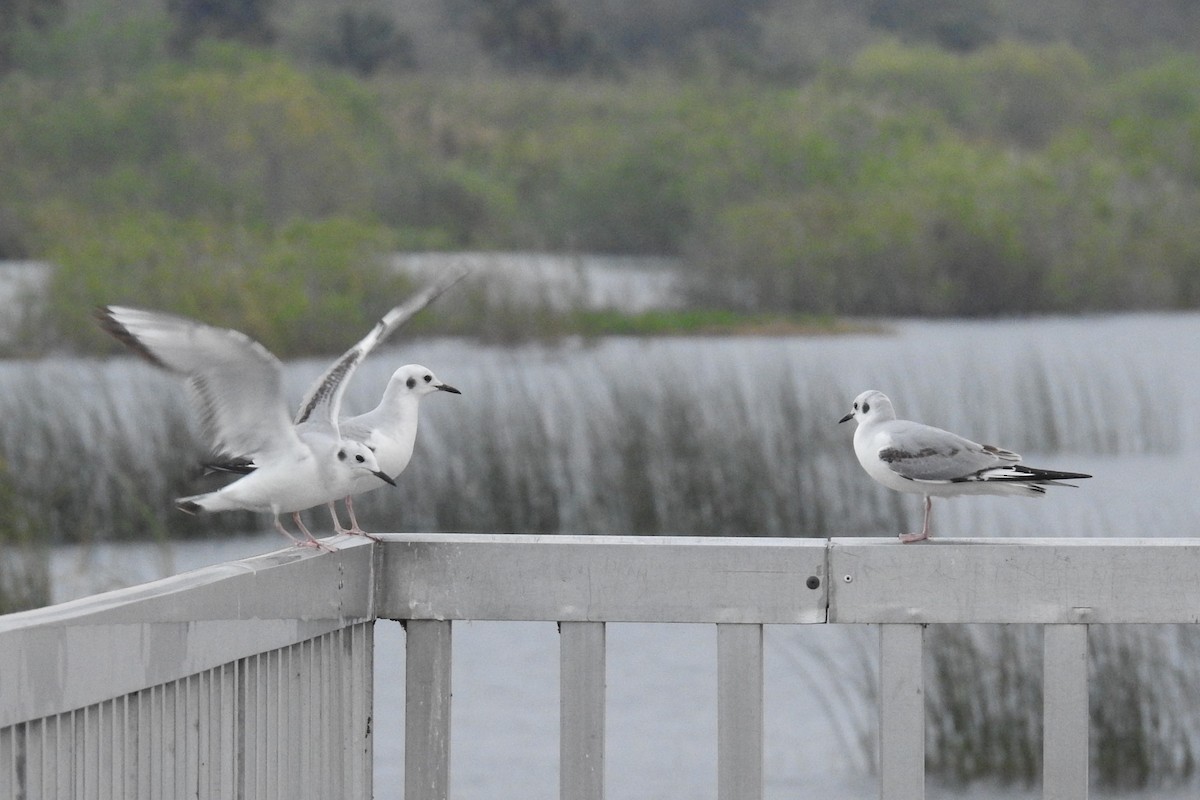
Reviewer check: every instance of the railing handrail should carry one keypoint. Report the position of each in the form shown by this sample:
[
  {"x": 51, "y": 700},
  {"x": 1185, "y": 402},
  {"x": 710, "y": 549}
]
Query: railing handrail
[
  {"x": 90, "y": 652},
  {"x": 763, "y": 580},
  {"x": 85, "y": 651}
]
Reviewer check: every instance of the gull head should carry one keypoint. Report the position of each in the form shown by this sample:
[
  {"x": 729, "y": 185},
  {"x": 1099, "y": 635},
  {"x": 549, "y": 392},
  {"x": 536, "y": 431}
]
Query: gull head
[
  {"x": 361, "y": 458},
  {"x": 870, "y": 406},
  {"x": 420, "y": 381}
]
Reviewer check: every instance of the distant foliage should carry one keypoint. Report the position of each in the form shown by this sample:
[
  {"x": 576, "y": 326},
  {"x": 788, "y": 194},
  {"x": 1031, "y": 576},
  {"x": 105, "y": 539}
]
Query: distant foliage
[
  {"x": 40, "y": 15},
  {"x": 899, "y": 179},
  {"x": 365, "y": 40},
  {"x": 532, "y": 34},
  {"x": 295, "y": 290},
  {"x": 959, "y": 25},
  {"x": 244, "y": 20}
]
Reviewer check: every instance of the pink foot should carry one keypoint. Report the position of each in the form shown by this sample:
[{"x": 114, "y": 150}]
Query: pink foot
[{"x": 909, "y": 538}]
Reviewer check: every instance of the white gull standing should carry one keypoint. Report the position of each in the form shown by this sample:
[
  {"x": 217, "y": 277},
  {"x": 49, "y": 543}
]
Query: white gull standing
[
  {"x": 236, "y": 386},
  {"x": 389, "y": 429},
  {"x": 920, "y": 459}
]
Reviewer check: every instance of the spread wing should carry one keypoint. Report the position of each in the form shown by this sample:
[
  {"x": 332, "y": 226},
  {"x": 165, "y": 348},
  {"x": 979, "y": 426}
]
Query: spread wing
[
  {"x": 323, "y": 401},
  {"x": 235, "y": 384},
  {"x": 923, "y": 453}
]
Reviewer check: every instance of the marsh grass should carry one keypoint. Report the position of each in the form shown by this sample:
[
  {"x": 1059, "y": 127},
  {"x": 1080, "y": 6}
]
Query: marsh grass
[
  {"x": 984, "y": 703},
  {"x": 25, "y": 564}
]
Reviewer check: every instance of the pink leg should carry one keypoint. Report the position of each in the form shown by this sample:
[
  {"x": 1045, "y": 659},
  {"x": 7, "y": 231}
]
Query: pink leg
[
  {"x": 312, "y": 540},
  {"x": 337, "y": 523},
  {"x": 355, "y": 530},
  {"x": 279, "y": 527},
  {"x": 907, "y": 538}
]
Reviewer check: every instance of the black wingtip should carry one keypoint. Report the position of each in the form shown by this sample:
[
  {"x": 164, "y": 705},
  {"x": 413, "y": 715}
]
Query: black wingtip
[
  {"x": 190, "y": 506},
  {"x": 106, "y": 317},
  {"x": 1055, "y": 475},
  {"x": 238, "y": 466}
]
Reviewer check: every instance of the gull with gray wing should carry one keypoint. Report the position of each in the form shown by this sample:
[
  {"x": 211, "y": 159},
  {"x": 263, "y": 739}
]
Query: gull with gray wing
[
  {"x": 389, "y": 430},
  {"x": 236, "y": 386},
  {"x": 920, "y": 459}
]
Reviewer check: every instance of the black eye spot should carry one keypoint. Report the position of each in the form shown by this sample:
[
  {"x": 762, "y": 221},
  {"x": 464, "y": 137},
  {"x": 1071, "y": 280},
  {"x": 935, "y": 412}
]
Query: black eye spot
[
  {"x": 411, "y": 382},
  {"x": 360, "y": 458},
  {"x": 428, "y": 378},
  {"x": 856, "y": 406},
  {"x": 866, "y": 407},
  {"x": 341, "y": 455}
]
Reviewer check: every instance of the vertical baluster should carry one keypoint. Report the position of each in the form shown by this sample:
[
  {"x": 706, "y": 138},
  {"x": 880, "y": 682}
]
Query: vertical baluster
[
  {"x": 49, "y": 765},
  {"x": 581, "y": 700},
  {"x": 427, "y": 715},
  {"x": 275, "y": 724},
  {"x": 88, "y": 750},
  {"x": 8, "y": 762},
  {"x": 739, "y": 711},
  {"x": 64, "y": 754},
  {"x": 143, "y": 732},
  {"x": 35, "y": 741},
  {"x": 104, "y": 749},
  {"x": 228, "y": 743},
  {"x": 901, "y": 712},
  {"x": 293, "y": 738},
  {"x": 362, "y": 695},
  {"x": 331, "y": 722},
  {"x": 1065, "y": 712}
]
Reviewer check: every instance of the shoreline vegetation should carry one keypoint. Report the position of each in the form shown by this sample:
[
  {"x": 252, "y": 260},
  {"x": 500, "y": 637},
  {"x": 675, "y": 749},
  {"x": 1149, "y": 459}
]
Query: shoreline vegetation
[{"x": 835, "y": 160}]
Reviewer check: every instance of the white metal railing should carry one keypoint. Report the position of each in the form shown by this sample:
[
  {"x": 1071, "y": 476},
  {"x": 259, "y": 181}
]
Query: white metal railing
[
  {"x": 235, "y": 681},
  {"x": 240, "y": 680}
]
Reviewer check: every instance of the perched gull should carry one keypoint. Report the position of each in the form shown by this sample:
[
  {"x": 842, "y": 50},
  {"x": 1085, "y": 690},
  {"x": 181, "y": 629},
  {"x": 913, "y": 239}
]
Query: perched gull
[
  {"x": 390, "y": 429},
  {"x": 236, "y": 386},
  {"x": 920, "y": 459}
]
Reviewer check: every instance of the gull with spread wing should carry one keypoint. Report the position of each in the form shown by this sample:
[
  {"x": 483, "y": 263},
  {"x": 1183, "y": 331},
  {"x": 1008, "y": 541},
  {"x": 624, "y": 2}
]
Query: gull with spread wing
[
  {"x": 236, "y": 386},
  {"x": 390, "y": 429}
]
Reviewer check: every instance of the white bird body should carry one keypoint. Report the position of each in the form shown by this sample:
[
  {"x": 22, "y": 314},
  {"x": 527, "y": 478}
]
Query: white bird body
[
  {"x": 389, "y": 430},
  {"x": 920, "y": 459},
  {"x": 314, "y": 476},
  {"x": 235, "y": 385}
]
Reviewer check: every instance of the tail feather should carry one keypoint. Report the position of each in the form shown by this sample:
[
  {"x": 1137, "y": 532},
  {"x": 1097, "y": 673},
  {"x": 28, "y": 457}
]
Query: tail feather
[
  {"x": 1051, "y": 476},
  {"x": 1031, "y": 476},
  {"x": 238, "y": 466},
  {"x": 190, "y": 504}
]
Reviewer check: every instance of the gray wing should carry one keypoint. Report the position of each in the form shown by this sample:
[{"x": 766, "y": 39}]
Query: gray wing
[
  {"x": 234, "y": 383},
  {"x": 923, "y": 453},
  {"x": 323, "y": 401}
]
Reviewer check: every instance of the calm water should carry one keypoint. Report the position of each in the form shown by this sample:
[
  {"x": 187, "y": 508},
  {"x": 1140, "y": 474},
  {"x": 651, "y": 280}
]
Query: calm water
[{"x": 543, "y": 438}]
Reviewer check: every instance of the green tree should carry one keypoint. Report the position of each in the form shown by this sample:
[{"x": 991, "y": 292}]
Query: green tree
[
  {"x": 17, "y": 14},
  {"x": 244, "y": 20},
  {"x": 365, "y": 40},
  {"x": 960, "y": 25},
  {"x": 532, "y": 34}
]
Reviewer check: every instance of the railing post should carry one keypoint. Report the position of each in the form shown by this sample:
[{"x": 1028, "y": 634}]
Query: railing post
[
  {"x": 581, "y": 699},
  {"x": 1065, "y": 712},
  {"x": 427, "y": 711},
  {"x": 739, "y": 711},
  {"x": 901, "y": 712}
]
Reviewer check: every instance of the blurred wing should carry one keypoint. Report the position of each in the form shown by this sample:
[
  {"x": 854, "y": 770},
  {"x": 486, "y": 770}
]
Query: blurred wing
[
  {"x": 323, "y": 401},
  {"x": 234, "y": 382},
  {"x": 922, "y": 453}
]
